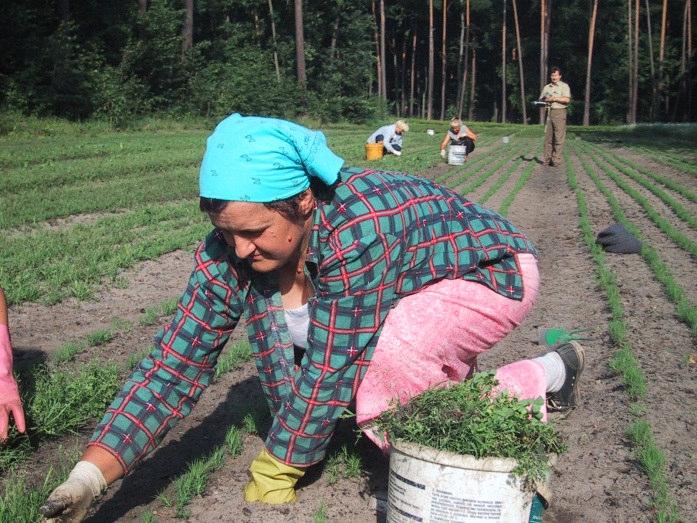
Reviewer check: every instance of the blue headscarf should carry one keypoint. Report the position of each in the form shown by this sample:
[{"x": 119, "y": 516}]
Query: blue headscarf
[{"x": 254, "y": 159}]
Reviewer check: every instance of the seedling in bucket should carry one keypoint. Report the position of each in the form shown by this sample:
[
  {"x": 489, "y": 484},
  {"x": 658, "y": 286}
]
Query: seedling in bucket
[{"x": 473, "y": 451}]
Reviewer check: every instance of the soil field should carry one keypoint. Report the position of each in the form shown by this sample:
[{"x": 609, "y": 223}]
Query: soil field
[{"x": 651, "y": 296}]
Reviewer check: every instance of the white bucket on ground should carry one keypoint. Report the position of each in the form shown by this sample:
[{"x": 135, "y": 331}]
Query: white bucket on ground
[
  {"x": 457, "y": 154},
  {"x": 433, "y": 486}
]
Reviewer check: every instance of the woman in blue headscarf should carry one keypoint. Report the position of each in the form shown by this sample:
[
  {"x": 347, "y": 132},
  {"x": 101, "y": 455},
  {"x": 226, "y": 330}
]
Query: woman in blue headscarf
[{"x": 342, "y": 276}]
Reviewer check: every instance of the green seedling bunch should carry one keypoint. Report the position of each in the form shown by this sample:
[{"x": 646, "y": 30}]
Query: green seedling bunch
[
  {"x": 474, "y": 418},
  {"x": 20, "y": 501},
  {"x": 193, "y": 482},
  {"x": 344, "y": 464},
  {"x": 320, "y": 515},
  {"x": 653, "y": 462},
  {"x": 64, "y": 401},
  {"x": 233, "y": 357},
  {"x": 152, "y": 314}
]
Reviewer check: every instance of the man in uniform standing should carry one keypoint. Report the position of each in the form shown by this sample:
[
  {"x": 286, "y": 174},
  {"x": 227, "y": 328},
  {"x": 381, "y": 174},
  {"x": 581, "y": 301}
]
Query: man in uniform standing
[{"x": 557, "y": 95}]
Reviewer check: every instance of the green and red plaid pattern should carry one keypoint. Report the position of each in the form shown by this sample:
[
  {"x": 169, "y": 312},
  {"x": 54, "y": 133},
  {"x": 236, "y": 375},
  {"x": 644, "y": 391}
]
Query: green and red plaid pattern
[{"x": 381, "y": 236}]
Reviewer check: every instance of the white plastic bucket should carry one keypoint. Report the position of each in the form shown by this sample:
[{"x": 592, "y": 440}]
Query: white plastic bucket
[
  {"x": 457, "y": 154},
  {"x": 441, "y": 487}
]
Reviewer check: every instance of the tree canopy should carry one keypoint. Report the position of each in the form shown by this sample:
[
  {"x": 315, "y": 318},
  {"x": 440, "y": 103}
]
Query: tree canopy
[{"x": 117, "y": 60}]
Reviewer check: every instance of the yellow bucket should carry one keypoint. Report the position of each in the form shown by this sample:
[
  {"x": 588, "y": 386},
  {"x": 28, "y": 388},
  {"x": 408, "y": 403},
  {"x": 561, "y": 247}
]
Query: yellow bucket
[{"x": 373, "y": 151}]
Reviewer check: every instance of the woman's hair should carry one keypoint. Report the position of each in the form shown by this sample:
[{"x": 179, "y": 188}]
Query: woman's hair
[
  {"x": 288, "y": 207},
  {"x": 401, "y": 124},
  {"x": 455, "y": 122}
]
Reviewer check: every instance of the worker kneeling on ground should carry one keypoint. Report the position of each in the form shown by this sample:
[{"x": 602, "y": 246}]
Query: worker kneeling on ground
[
  {"x": 390, "y": 136},
  {"x": 458, "y": 134},
  {"x": 341, "y": 289}
]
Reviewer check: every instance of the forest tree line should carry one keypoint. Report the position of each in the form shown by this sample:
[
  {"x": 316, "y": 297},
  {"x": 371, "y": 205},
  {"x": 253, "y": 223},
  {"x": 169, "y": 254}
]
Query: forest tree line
[{"x": 625, "y": 60}]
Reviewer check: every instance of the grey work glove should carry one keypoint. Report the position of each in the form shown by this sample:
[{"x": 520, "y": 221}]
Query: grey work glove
[{"x": 69, "y": 502}]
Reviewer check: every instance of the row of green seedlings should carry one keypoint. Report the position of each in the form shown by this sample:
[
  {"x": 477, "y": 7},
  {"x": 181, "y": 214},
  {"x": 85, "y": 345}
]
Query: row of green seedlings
[
  {"x": 671, "y": 202},
  {"x": 476, "y": 161},
  {"x": 625, "y": 364},
  {"x": 20, "y": 501},
  {"x": 663, "y": 180},
  {"x": 49, "y": 266},
  {"x": 454, "y": 178},
  {"x": 493, "y": 165},
  {"x": 686, "y": 311},
  {"x": 114, "y": 194},
  {"x": 131, "y": 162},
  {"x": 76, "y": 145},
  {"x": 680, "y": 239},
  {"x": 61, "y": 401},
  {"x": 670, "y": 160}
]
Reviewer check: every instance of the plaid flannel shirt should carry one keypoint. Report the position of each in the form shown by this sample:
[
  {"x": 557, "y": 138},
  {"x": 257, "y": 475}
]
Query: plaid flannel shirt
[{"x": 380, "y": 237}]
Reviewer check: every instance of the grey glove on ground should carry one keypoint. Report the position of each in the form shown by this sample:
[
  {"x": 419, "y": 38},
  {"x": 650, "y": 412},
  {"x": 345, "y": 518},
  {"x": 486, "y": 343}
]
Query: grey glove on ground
[{"x": 69, "y": 502}]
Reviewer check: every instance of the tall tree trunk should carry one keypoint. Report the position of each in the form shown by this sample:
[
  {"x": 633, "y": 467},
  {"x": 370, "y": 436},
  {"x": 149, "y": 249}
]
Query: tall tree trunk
[
  {"x": 690, "y": 60},
  {"x": 403, "y": 74},
  {"x": 461, "y": 103},
  {"x": 685, "y": 56},
  {"x": 652, "y": 67},
  {"x": 382, "y": 50},
  {"x": 142, "y": 7},
  {"x": 64, "y": 10},
  {"x": 429, "y": 111},
  {"x": 543, "y": 53},
  {"x": 412, "y": 76},
  {"x": 443, "y": 59},
  {"x": 661, "y": 55},
  {"x": 630, "y": 62},
  {"x": 188, "y": 28},
  {"x": 378, "y": 62},
  {"x": 335, "y": 38},
  {"x": 503, "y": 64},
  {"x": 460, "y": 54},
  {"x": 395, "y": 72},
  {"x": 520, "y": 63},
  {"x": 142, "y": 10},
  {"x": 472, "y": 86},
  {"x": 591, "y": 38},
  {"x": 635, "y": 63},
  {"x": 300, "y": 45},
  {"x": 274, "y": 43}
]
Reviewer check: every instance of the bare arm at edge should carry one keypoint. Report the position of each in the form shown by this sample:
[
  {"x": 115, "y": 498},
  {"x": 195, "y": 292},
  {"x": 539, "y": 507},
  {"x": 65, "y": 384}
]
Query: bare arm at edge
[{"x": 105, "y": 461}]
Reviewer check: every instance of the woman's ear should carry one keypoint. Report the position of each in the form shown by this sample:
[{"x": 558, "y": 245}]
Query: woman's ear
[{"x": 307, "y": 203}]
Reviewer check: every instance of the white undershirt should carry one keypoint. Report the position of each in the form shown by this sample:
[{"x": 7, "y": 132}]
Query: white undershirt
[{"x": 298, "y": 321}]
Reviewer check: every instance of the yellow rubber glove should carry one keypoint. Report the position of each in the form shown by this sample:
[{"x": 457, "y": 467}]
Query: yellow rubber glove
[{"x": 271, "y": 481}]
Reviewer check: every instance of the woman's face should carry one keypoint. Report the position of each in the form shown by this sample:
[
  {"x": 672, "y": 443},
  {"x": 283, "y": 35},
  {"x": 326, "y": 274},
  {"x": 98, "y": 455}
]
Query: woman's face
[{"x": 265, "y": 238}]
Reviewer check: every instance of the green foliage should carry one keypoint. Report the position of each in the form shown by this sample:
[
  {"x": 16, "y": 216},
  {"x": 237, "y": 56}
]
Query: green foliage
[
  {"x": 63, "y": 401},
  {"x": 193, "y": 482},
  {"x": 20, "y": 501},
  {"x": 234, "y": 441},
  {"x": 343, "y": 463},
  {"x": 473, "y": 418},
  {"x": 233, "y": 357},
  {"x": 320, "y": 515},
  {"x": 653, "y": 462}
]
